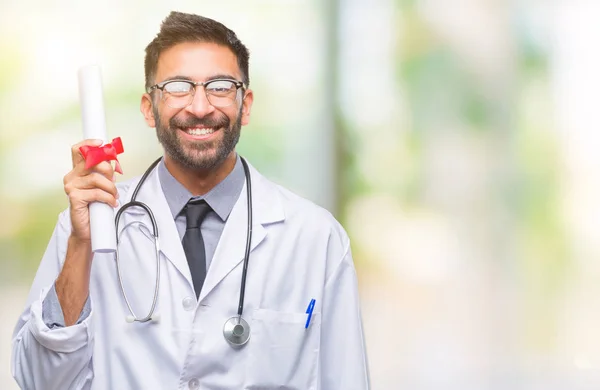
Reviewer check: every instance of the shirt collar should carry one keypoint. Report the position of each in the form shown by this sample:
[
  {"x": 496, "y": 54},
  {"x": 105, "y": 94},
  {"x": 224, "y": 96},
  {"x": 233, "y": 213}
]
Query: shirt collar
[{"x": 221, "y": 198}]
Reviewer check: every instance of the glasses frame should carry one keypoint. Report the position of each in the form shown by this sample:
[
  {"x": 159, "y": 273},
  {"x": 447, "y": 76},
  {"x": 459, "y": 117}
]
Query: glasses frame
[{"x": 195, "y": 84}]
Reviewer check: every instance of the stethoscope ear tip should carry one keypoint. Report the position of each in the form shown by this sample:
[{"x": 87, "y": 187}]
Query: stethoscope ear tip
[
  {"x": 130, "y": 319},
  {"x": 155, "y": 318}
]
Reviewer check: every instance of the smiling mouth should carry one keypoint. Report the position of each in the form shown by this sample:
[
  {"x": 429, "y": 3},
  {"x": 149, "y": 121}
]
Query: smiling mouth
[{"x": 199, "y": 130}]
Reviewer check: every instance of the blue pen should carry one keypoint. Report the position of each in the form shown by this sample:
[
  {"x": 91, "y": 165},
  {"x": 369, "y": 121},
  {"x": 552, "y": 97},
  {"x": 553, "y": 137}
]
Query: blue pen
[{"x": 309, "y": 311}]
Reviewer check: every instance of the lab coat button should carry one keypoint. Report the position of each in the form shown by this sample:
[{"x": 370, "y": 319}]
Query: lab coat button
[
  {"x": 188, "y": 303},
  {"x": 194, "y": 384}
]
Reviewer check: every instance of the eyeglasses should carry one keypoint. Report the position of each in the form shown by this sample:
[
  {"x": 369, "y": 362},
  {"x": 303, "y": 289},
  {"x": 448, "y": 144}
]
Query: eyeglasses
[{"x": 180, "y": 93}]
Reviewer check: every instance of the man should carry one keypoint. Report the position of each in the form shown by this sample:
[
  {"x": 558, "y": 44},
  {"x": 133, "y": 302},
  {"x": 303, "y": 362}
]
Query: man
[{"x": 301, "y": 300}]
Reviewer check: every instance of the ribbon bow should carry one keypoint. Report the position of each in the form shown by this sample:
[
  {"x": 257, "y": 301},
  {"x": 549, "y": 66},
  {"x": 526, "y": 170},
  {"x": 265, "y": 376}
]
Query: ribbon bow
[{"x": 94, "y": 155}]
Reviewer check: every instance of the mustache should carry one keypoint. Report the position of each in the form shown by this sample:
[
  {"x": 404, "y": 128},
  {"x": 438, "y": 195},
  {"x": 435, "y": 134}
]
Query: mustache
[{"x": 214, "y": 122}]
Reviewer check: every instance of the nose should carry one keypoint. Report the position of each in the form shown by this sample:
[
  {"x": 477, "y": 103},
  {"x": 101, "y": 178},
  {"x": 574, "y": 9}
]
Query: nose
[{"x": 200, "y": 106}]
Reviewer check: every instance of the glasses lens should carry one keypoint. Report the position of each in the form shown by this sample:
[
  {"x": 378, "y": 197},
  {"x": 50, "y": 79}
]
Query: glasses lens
[
  {"x": 221, "y": 93},
  {"x": 178, "y": 94}
]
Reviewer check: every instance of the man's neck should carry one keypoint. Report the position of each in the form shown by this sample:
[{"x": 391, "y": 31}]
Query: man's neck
[{"x": 199, "y": 182}]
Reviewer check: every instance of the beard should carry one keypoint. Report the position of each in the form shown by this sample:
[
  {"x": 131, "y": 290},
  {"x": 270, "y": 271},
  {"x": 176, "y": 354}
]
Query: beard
[{"x": 200, "y": 155}]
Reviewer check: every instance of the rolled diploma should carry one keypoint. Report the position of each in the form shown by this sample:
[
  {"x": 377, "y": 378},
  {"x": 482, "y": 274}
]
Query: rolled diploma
[{"x": 102, "y": 215}]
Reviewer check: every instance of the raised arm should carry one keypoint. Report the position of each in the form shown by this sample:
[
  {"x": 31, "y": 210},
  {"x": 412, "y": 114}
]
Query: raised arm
[{"x": 61, "y": 357}]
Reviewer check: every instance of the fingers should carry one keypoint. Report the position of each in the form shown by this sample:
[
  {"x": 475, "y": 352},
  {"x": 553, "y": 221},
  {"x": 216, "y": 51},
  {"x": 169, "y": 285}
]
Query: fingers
[
  {"x": 82, "y": 197},
  {"x": 82, "y": 190},
  {"x": 104, "y": 168},
  {"x": 90, "y": 185},
  {"x": 92, "y": 181}
]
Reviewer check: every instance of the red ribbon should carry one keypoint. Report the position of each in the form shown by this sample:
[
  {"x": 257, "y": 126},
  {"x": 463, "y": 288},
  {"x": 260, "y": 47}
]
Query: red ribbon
[{"x": 94, "y": 155}]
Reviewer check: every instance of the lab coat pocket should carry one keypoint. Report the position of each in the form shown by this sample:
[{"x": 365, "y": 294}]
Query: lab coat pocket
[{"x": 283, "y": 354}]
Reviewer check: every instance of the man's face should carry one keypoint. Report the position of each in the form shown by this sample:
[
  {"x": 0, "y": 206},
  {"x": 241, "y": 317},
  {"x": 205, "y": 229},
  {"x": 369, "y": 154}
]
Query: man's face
[{"x": 199, "y": 136}]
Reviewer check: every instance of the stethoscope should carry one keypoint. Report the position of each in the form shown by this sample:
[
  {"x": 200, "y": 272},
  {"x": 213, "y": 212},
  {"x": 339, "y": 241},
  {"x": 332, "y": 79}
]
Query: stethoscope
[{"x": 236, "y": 330}]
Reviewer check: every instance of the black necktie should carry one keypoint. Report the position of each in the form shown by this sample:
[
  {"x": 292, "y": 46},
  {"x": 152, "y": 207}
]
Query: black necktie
[{"x": 193, "y": 244}]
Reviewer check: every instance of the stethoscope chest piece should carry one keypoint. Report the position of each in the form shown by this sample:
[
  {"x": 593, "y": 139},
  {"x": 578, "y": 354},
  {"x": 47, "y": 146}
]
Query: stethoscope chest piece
[{"x": 236, "y": 331}]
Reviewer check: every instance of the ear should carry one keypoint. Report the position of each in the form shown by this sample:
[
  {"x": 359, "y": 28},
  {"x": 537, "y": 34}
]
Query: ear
[
  {"x": 247, "y": 106},
  {"x": 146, "y": 110}
]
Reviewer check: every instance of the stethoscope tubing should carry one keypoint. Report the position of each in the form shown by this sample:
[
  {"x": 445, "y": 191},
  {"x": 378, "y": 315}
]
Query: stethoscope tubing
[
  {"x": 135, "y": 203},
  {"x": 248, "y": 238}
]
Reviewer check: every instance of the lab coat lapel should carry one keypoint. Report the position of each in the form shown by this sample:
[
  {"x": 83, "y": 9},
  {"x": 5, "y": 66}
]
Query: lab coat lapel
[
  {"x": 232, "y": 245},
  {"x": 169, "y": 242}
]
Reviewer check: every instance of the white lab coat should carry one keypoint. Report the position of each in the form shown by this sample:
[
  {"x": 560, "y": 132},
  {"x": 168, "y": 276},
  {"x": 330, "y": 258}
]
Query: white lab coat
[{"x": 299, "y": 252}]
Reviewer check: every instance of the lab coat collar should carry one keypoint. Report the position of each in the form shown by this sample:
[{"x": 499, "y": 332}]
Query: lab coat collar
[{"x": 267, "y": 209}]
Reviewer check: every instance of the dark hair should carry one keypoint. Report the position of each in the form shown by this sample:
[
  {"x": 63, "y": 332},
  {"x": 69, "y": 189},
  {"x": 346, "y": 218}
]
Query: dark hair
[{"x": 179, "y": 28}]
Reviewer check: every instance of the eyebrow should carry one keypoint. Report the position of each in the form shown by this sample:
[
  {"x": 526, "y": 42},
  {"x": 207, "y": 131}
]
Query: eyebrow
[
  {"x": 177, "y": 77},
  {"x": 213, "y": 77}
]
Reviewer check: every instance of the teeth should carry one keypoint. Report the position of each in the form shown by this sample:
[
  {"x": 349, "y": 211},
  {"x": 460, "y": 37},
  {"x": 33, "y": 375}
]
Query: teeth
[{"x": 200, "y": 131}]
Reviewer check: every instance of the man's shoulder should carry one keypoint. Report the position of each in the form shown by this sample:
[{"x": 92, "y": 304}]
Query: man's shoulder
[
  {"x": 299, "y": 209},
  {"x": 312, "y": 226},
  {"x": 292, "y": 201},
  {"x": 125, "y": 186}
]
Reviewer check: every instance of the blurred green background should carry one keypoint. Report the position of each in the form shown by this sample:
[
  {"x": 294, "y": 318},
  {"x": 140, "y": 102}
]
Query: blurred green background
[{"x": 456, "y": 141}]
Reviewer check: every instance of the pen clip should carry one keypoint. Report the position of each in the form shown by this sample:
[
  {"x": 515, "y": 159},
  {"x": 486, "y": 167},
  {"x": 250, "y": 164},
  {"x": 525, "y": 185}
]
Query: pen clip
[{"x": 309, "y": 311}]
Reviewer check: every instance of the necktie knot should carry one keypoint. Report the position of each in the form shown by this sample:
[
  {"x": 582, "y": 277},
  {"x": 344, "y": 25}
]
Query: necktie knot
[{"x": 195, "y": 212}]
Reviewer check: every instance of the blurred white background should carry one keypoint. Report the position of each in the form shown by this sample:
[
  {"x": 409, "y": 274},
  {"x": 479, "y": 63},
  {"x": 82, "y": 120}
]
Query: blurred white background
[{"x": 455, "y": 140}]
